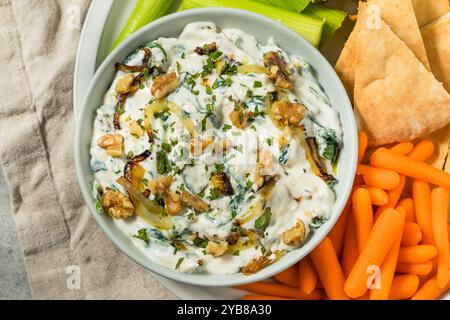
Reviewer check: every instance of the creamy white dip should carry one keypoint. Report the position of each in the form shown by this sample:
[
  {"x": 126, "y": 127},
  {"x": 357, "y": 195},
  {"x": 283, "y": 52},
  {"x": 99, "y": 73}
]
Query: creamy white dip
[{"x": 292, "y": 190}]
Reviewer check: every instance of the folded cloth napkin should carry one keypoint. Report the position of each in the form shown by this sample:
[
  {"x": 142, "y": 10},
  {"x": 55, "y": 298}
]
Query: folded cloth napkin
[{"x": 66, "y": 254}]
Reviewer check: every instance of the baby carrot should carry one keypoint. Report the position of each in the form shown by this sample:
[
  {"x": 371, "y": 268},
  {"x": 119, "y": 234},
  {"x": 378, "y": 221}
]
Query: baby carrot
[
  {"x": 422, "y": 206},
  {"x": 362, "y": 145},
  {"x": 422, "y": 151},
  {"x": 329, "y": 270},
  {"x": 362, "y": 211},
  {"x": 448, "y": 230},
  {"x": 439, "y": 218},
  {"x": 430, "y": 290},
  {"x": 378, "y": 196},
  {"x": 421, "y": 269},
  {"x": 404, "y": 287},
  {"x": 262, "y": 297},
  {"x": 385, "y": 230},
  {"x": 387, "y": 159},
  {"x": 393, "y": 196},
  {"x": 350, "y": 251},
  {"x": 288, "y": 276},
  {"x": 279, "y": 290},
  {"x": 412, "y": 235},
  {"x": 388, "y": 266},
  {"x": 307, "y": 276},
  {"x": 403, "y": 148},
  {"x": 337, "y": 233},
  {"x": 416, "y": 254},
  {"x": 408, "y": 204},
  {"x": 376, "y": 177}
]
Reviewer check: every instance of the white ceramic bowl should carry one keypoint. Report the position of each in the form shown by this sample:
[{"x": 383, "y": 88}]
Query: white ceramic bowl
[{"x": 262, "y": 28}]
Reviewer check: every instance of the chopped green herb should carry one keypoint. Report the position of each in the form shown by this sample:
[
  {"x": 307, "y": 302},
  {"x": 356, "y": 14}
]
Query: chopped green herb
[
  {"x": 208, "y": 90},
  {"x": 269, "y": 141},
  {"x": 130, "y": 155},
  {"x": 142, "y": 234},
  {"x": 201, "y": 242},
  {"x": 166, "y": 147},
  {"x": 263, "y": 221},
  {"x": 214, "y": 193},
  {"x": 179, "y": 263},
  {"x": 162, "y": 163},
  {"x": 226, "y": 127},
  {"x": 257, "y": 84}
]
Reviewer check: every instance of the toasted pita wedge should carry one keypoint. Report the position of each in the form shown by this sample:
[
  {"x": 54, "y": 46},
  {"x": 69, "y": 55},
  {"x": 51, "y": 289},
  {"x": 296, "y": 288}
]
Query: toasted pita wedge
[
  {"x": 437, "y": 43},
  {"x": 399, "y": 15},
  {"x": 441, "y": 156},
  {"x": 429, "y": 10},
  {"x": 345, "y": 66},
  {"x": 397, "y": 98}
]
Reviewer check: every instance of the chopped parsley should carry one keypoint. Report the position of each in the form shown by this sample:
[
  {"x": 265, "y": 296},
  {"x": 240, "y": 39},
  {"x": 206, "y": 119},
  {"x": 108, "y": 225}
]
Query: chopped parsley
[
  {"x": 179, "y": 262},
  {"x": 226, "y": 127},
  {"x": 142, "y": 235},
  {"x": 257, "y": 84},
  {"x": 162, "y": 163},
  {"x": 263, "y": 221},
  {"x": 201, "y": 242}
]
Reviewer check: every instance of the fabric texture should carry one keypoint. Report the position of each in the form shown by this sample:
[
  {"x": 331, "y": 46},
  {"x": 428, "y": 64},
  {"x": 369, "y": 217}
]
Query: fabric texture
[{"x": 59, "y": 238}]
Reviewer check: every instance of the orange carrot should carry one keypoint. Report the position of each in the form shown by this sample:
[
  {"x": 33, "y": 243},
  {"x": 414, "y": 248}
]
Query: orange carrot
[
  {"x": 387, "y": 159},
  {"x": 262, "y": 297},
  {"x": 430, "y": 290},
  {"x": 279, "y": 290},
  {"x": 404, "y": 287},
  {"x": 362, "y": 145},
  {"x": 417, "y": 254},
  {"x": 337, "y": 233},
  {"x": 403, "y": 148},
  {"x": 393, "y": 197},
  {"x": 378, "y": 196},
  {"x": 422, "y": 206},
  {"x": 422, "y": 151},
  {"x": 362, "y": 212},
  {"x": 307, "y": 276},
  {"x": 412, "y": 235},
  {"x": 421, "y": 269},
  {"x": 388, "y": 266},
  {"x": 376, "y": 177},
  {"x": 350, "y": 251},
  {"x": 385, "y": 230},
  {"x": 288, "y": 276},
  {"x": 408, "y": 204},
  {"x": 329, "y": 270},
  {"x": 448, "y": 230},
  {"x": 439, "y": 218}
]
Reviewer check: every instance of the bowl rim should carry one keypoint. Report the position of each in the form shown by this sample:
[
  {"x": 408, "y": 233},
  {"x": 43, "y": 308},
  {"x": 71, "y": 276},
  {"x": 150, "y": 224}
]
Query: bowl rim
[{"x": 218, "y": 279}]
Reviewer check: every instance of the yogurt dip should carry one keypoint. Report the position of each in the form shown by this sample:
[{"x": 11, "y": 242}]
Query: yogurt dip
[{"x": 215, "y": 153}]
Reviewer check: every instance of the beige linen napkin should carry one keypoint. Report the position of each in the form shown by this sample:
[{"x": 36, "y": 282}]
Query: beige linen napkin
[{"x": 67, "y": 256}]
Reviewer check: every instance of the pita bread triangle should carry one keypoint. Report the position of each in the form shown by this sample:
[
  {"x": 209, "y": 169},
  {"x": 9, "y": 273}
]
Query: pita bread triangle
[
  {"x": 429, "y": 10},
  {"x": 437, "y": 42},
  {"x": 399, "y": 15},
  {"x": 397, "y": 97}
]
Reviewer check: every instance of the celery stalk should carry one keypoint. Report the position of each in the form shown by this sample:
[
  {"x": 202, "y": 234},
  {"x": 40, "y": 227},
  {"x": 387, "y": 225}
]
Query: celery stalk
[
  {"x": 308, "y": 27},
  {"x": 334, "y": 18},
  {"x": 293, "y": 5},
  {"x": 144, "y": 12}
]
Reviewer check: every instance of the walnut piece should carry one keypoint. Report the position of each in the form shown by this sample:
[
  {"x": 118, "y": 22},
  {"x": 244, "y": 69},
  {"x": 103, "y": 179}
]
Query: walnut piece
[
  {"x": 295, "y": 235},
  {"x": 197, "y": 147},
  {"x": 239, "y": 118},
  {"x": 112, "y": 143},
  {"x": 117, "y": 204},
  {"x": 194, "y": 201},
  {"x": 160, "y": 185},
  {"x": 263, "y": 167},
  {"x": 288, "y": 113},
  {"x": 163, "y": 85},
  {"x": 126, "y": 84},
  {"x": 278, "y": 72},
  {"x": 173, "y": 203},
  {"x": 216, "y": 249}
]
